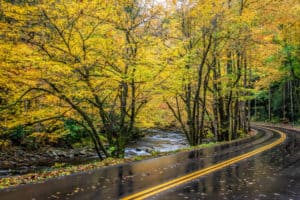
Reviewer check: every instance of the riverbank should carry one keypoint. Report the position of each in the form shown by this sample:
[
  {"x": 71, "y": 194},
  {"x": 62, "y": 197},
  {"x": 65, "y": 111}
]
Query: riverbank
[
  {"x": 19, "y": 160},
  {"x": 64, "y": 169}
]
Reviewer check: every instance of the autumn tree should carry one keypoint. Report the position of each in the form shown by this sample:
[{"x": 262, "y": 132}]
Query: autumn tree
[
  {"x": 111, "y": 67},
  {"x": 218, "y": 56},
  {"x": 85, "y": 61}
]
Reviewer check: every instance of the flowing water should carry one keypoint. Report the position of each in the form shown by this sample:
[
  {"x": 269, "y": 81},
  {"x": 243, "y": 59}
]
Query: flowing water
[{"x": 157, "y": 141}]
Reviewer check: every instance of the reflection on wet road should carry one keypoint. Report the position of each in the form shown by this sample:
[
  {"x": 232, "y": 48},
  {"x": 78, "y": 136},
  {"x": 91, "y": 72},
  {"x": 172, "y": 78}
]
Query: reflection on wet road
[
  {"x": 274, "y": 174},
  {"x": 269, "y": 175}
]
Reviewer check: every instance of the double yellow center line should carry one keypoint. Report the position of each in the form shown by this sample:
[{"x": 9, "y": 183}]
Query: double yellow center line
[{"x": 183, "y": 179}]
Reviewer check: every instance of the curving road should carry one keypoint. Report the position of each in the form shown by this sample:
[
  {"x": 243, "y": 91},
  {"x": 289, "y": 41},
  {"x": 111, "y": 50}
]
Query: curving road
[{"x": 271, "y": 174}]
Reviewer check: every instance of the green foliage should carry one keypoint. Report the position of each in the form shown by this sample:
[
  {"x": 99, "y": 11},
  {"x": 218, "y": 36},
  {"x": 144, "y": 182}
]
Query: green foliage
[
  {"x": 17, "y": 134},
  {"x": 59, "y": 165},
  {"x": 138, "y": 158},
  {"x": 209, "y": 135},
  {"x": 241, "y": 133},
  {"x": 210, "y": 144},
  {"x": 112, "y": 150},
  {"x": 84, "y": 142},
  {"x": 155, "y": 153},
  {"x": 75, "y": 132}
]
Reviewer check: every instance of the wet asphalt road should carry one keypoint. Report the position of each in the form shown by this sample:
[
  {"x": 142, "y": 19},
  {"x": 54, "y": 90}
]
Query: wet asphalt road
[{"x": 274, "y": 174}]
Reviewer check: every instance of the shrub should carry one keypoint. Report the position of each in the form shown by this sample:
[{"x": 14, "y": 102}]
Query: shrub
[
  {"x": 210, "y": 135},
  {"x": 241, "y": 133},
  {"x": 5, "y": 145},
  {"x": 40, "y": 138},
  {"x": 17, "y": 134},
  {"x": 74, "y": 132}
]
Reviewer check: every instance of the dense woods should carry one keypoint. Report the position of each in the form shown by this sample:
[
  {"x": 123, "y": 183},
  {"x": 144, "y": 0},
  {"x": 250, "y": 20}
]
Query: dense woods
[{"x": 105, "y": 70}]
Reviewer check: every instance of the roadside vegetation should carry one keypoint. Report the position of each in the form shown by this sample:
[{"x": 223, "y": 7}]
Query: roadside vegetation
[{"x": 95, "y": 74}]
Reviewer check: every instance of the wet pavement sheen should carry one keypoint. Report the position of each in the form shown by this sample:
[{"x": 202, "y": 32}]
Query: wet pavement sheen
[{"x": 273, "y": 174}]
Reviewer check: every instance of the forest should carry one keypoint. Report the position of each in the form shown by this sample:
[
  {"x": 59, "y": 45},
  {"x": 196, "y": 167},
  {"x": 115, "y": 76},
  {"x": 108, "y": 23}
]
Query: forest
[{"x": 99, "y": 72}]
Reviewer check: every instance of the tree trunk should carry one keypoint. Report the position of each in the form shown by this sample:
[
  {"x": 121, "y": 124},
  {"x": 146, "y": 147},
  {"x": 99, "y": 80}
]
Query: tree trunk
[
  {"x": 269, "y": 105},
  {"x": 292, "y": 101}
]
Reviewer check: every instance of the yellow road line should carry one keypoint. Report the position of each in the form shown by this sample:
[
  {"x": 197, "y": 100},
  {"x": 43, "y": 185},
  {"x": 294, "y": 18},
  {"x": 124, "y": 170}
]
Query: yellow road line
[{"x": 183, "y": 179}]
